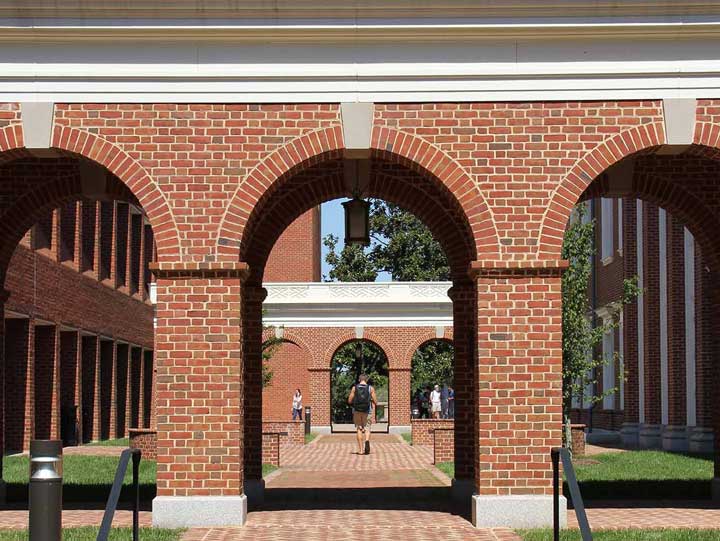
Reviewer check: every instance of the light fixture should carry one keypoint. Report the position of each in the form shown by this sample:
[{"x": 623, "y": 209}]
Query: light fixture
[
  {"x": 357, "y": 210},
  {"x": 357, "y": 222}
]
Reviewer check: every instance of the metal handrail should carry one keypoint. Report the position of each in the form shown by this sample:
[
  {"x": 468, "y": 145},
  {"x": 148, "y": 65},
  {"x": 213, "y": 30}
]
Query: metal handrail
[
  {"x": 112, "y": 502},
  {"x": 557, "y": 454}
]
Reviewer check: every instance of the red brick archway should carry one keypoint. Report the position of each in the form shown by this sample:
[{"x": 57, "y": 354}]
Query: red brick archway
[{"x": 461, "y": 195}]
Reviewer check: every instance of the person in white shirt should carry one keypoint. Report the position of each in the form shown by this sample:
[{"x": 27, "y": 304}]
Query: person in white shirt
[
  {"x": 297, "y": 405},
  {"x": 436, "y": 403}
]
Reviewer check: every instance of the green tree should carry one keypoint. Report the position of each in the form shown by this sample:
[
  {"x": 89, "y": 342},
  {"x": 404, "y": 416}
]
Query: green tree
[
  {"x": 346, "y": 369},
  {"x": 432, "y": 364},
  {"x": 581, "y": 332},
  {"x": 400, "y": 245}
]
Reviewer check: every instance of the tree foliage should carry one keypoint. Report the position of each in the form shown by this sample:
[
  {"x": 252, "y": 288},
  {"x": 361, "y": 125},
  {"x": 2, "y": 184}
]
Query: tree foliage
[
  {"x": 401, "y": 246},
  {"x": 345, "y": 372},
  {"x": 432, "y": 364},
  {"x": 581, "y": 332}
]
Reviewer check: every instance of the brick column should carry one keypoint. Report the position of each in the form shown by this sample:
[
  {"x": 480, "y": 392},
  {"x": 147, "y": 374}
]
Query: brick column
[
  {"x": 122, "y": 420},
  {"x": 46, "y": 373},
  {"x": 519, "y": 393},
  {"x": 149, "y": 391},
  {"x": 675, "y": 435},
  {"x": 128, "y": 390},
  {"x": 18, "y": 372},
  {"x": 141, "y": 390},
  {"x": 134, "y": 385},
  {"x": 651, "y": 431},
  {"x": 464, "y": 297},
  {"x": 106, "y": 386},
  {"x": 252, "y": 299},
  {"x": 319, "y": 381},
  {"x": 631, "y": 416},
  {"x": 705, "y": 390},
  {"x": 88, "y": 354},
  {"x": 399, "y": 397},
  {"x": 199, "y": 396},
  {"x": 113, "y": 431},
  {"x": 97, "y": 393}
]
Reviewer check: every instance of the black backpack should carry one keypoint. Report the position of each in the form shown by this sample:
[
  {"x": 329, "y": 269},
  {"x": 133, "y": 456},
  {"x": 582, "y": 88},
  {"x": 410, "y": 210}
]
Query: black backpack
[{"x": 362, "y": 398}]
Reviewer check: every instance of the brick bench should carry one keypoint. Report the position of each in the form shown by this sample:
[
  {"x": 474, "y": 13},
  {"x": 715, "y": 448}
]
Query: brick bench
[
  {"x": 422, "y": 429},
  {"x": 271, "y": 447}
]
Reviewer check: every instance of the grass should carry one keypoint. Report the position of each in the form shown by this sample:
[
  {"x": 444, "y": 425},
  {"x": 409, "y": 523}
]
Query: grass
[
  {"x": 85, "y": 478},
  {"x": 448, "y": 468},
  {"x": 90, "y": 533},
  {"x": 120, "y": 442},
  {"x": 625, "y": 535},
  {"x": 407, "y": 436},
  {"x": 268, "y": 469},
  {"x": 310, "y": 437},
  {"x": 645, "y": 475}
]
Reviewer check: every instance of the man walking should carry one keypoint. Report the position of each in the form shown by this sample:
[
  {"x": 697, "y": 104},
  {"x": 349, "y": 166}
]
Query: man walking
[{"x": 362, "y": 399}]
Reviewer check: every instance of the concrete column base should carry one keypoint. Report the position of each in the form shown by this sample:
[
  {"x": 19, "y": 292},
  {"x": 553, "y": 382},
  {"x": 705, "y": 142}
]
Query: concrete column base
[
  {"x": 321, "y": 429},
  {"x": 516, "y": 511},
  {"x": 675, "y": 438},
  {"x": 462, "y": 490},
  {"x": 199, "y": 511},
  {"x": 255, "y": 491},
  {"x": 716, "y": 489},
  {"x": 650, "y": 437},
  {"x": 400, "y": 429},
  {"x": 701, "y": 440},
  {"x": 630, "y": 435}
]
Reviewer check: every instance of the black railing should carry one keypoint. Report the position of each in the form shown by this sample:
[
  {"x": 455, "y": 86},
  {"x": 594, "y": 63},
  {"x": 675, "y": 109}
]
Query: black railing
[
  {"x": 557, "y": 454},
  {"x": 115, "y": 494}
]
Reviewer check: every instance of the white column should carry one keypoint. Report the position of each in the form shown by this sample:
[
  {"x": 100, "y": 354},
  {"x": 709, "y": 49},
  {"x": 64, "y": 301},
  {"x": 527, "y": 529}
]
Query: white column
[
  {"x": 690, "y": 328},
  {"x": 662, "y": 231},
  {"x": 639, "y": 230}
]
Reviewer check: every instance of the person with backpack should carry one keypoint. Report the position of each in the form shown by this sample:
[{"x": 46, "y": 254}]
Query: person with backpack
[{"x": 362, "y": 399}]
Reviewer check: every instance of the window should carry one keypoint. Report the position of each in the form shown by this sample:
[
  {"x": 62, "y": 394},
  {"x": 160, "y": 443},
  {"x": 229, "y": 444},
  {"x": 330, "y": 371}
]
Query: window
[{"x": 607, "y": 231}]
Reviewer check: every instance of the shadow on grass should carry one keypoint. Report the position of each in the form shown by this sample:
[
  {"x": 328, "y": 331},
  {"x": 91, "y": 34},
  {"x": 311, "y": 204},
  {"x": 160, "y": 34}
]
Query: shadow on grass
[
  {"x": 93, "y": 496},
  {"x": 661, "y": 489}
]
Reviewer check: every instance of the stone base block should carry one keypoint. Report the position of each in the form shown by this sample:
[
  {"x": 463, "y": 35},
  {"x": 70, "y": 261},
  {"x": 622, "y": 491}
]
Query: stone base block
[
  {"x": 255, "y": 492},
  {"x": 675, "y": 438},
  {"x": 630, "y": 435},
  {"x": 716, "y": 489},
  {"x": 401, "y": 429},
  {"x": 651, "y": 437},
  {"x": 598, "y": 436},
  {"x": 321, "y": 430},
  {"x": 516, "y": 511},
  {"x": 199, "y": 511},
  {"x": 701, "y": 440}
]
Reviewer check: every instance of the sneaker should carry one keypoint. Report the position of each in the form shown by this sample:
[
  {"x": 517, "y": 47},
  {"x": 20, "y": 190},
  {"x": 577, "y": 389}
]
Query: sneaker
[{"x": 367, "y": 447}]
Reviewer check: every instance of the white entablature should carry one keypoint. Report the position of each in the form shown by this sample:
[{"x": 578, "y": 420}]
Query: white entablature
[{"x": 358, "y": 304}]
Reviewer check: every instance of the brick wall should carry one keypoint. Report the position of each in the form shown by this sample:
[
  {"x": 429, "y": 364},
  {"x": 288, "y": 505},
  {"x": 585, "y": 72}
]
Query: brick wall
[
  {"x": 146, "y": 441},
  {"x": 293, "y": 432},
  {"x": 443, "y": 445},
  {"x": 296, "y": 254},
  {"x": 422, "y": 429},
  {"x": 271, "y": 449},
  {"x": 289, "y": 368}
]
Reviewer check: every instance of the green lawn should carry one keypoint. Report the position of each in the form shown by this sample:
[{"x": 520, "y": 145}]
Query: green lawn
[
  {"x": 654, "y": 475},
  {"x": 448, "y": 468},
  {"x": 120, "y": 442},
  {"x": 644, "y": 474},
  {"x": 407, "y": 436},
  {"x": 310, "y": 437},
  {"x": 85, "y": 478},
  {"x": 625, "y": 535},
  {"x": 267, "y": 469},
  {"x": 89, "y": 534}
]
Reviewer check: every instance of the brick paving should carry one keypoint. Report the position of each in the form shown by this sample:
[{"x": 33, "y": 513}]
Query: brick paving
[
  {"x": 653, "y": 514},
  {"x": 18, "y": 519}
]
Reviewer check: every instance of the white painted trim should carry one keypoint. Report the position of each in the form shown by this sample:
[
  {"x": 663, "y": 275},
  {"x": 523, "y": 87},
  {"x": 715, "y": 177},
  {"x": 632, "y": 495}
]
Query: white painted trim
[
  {"x": 639, "y": 239},
  {"x": 690, "y": 360},
  {"x": 662, "y": 256}
]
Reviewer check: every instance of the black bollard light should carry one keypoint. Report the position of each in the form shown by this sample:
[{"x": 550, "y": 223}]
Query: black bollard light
[
  {"x": 308, "y": 413},
  {"x": 45, "y": 492}
]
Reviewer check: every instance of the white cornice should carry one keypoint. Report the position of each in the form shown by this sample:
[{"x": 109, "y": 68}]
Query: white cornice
[{"x": 281, "y": 9}]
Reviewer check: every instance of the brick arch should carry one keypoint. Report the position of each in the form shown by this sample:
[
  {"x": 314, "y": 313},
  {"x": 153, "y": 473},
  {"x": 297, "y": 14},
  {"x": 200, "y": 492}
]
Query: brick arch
[
  {"x": 568, "y": 193},
  {"x": 131, "y": 173},
  {"x": 289, "y": 335},
  {"x": 33, "y": 205},
  {"x": 413, "y": 153},
  {"x": 345, "y": 338}
]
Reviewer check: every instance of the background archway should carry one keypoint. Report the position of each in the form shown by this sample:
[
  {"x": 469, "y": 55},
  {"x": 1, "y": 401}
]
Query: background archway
[{"x": 433, "y": 363}]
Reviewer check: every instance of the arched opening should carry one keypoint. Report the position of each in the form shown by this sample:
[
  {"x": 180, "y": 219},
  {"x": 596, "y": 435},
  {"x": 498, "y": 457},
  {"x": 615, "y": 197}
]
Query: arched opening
[
  {"x": 348, "y": 362},
  {"x": 433, "y": 365},
  {"x": 655, "y": 214},
  {"x": 78, "y": 334},
  {"x": 292, "y": 198}
]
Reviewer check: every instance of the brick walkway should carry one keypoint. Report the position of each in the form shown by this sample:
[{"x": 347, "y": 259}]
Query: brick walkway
[
  {"x": 654, "y": 514},
  {"x": 327, "y": 492},
  {"x": 18, "y": 519}
]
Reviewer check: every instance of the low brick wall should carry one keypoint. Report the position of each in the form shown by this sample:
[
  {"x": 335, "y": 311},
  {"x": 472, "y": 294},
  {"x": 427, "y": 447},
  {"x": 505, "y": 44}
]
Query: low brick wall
[
  {"x": 271, "y": 448},
  {"x": 295, "y": 431},
  {"x": 422, "y": 429},
  {"x": 144, "y": 439},
  {"x": 578, "y": 439},
  {"x": 443, "y": 445}
]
